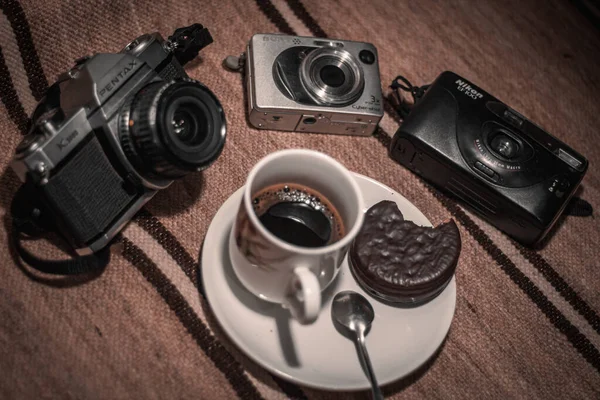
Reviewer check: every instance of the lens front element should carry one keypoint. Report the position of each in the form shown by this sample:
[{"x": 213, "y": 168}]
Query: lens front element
[
  {"x": 505, "y": 146},
  {"x": 189, "y": 125},
  {"x": 332, "y": 76},
  {"x": 191, "y": 122}
]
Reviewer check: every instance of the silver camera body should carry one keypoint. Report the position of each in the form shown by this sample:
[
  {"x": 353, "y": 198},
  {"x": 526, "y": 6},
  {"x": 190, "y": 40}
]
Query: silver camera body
[
  {"x": 308, "y": 84},
  {"x": 115, "y": 129}
]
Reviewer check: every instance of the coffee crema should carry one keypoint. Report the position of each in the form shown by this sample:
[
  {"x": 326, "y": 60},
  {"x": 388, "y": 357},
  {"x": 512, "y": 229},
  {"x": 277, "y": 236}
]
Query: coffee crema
[{"x": 298, "y": 215}]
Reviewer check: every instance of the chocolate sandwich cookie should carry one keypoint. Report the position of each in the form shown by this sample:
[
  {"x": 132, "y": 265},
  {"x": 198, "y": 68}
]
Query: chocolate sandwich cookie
[{"x": 398, "y": 261}]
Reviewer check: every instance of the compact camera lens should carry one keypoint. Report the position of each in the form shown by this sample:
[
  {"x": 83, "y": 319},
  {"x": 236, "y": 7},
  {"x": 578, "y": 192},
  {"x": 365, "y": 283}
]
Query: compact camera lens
[
  {"x": 505, "y": 146},
  {"x": 332, "y": 76},
  {"x": 173, "y": 128}
]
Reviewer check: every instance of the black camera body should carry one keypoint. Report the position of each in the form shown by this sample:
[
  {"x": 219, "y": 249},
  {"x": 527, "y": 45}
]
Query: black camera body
[
  {"x": 114, "y": 130},
  {"x": 471, "y": 145}
]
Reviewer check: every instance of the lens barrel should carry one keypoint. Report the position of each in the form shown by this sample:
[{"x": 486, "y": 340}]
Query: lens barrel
[
  {"x": 332, "y": 76},
  {"x": 173, "y": 128}
]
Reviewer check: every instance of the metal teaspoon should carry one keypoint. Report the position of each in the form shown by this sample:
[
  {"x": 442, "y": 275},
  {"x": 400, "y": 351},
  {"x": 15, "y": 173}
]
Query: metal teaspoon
[{"x": 354, "y": 313}]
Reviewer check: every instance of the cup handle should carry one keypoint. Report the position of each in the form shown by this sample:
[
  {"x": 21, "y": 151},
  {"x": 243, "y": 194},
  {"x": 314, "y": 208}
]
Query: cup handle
[{"x": 303, "y": 296}]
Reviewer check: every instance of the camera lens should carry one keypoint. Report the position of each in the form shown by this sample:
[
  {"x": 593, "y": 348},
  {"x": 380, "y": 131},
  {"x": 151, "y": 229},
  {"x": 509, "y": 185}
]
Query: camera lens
[
  {"x": 190, "y": 124},
  {"x": 173, "y": 128},
  {"x": 332, "y": 76},
  {"x": 505, "y": 146}
]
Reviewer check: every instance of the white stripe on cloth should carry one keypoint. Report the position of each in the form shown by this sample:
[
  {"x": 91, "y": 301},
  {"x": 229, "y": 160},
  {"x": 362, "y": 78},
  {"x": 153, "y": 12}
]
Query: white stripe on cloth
[{"x": 295, "y": 23}]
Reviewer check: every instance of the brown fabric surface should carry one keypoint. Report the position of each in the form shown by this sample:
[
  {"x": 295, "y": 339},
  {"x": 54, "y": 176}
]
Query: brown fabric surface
[{"x": 526, "y": 323}]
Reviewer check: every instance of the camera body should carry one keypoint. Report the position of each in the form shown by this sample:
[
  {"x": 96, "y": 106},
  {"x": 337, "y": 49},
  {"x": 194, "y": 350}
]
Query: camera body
[
  {"x": 509, "y": 170},
  {"x": 114, "y": 130},
  {"x": 308, "y": 84}
]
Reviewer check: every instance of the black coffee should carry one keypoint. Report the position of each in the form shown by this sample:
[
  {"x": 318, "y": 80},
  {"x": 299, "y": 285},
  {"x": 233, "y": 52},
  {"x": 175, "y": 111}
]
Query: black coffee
[{"x": 298, "y": 215}]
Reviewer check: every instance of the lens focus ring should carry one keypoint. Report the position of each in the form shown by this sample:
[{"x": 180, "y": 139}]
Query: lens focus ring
[
  {"x": 142, "y": 140},
  {"x": 173, "y": 128}
]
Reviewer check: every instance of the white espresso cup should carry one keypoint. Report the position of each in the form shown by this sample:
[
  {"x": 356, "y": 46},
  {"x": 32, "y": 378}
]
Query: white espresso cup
[{"x": 279, "y": 271}]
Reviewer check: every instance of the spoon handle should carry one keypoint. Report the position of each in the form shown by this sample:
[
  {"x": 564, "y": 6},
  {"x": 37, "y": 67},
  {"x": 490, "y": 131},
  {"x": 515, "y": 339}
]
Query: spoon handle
[{"x": 364, "y": 356}]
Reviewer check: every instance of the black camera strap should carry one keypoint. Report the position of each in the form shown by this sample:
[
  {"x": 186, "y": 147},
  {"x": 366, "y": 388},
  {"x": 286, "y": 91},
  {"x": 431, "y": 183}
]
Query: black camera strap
[
  {"x": 401, "y": 83},
  {"x": 578, "y": 207},
  {"x": 30, "y": 219}
]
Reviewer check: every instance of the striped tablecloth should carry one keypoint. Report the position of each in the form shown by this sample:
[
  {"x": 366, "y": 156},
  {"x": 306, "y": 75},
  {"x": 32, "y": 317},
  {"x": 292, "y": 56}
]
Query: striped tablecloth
[{"x": 526, "y": 322}]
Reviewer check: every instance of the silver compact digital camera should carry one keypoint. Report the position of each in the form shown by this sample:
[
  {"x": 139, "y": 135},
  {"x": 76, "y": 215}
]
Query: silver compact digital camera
[{"x": 308, "y": 84}]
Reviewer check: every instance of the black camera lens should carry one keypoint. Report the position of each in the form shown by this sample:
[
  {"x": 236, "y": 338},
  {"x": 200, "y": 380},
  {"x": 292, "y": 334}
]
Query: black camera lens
[
  {"x": 332, "y": 75},
  {"x": 505, "y": 146},
  {"x": 190, "y": 121},
  {"x": 173, "y": 128},
  {"x": 189, "y": 126}
]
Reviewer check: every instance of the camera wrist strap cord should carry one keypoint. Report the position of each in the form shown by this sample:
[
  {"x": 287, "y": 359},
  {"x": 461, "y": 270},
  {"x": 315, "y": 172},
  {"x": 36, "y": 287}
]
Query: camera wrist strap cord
[
  {"x": 401, "y": 83},
  {"x": 30, "y": 221}
]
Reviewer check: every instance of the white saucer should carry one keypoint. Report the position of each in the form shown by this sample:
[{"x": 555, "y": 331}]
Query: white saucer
[{"x": 400, "y": 340}]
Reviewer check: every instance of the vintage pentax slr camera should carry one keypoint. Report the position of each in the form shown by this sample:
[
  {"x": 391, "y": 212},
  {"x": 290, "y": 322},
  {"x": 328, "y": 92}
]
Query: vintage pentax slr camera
[
  {"x": 478, "y": 149},
  {"x": 307, "y": 84},
  {"x": 117, "y": 128}
]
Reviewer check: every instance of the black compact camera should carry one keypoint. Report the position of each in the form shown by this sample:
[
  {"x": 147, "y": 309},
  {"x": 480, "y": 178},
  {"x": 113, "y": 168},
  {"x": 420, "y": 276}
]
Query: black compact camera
[
  {"x": 114, "y": 130},
  {"x": 470, "y": 144}
]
